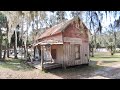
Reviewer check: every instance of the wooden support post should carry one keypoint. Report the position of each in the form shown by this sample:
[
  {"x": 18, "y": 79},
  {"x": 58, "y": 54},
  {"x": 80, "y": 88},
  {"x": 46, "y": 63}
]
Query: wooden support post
[
  {"x": 51, "y": 54},
  {"x": 42, "y": 57},
  {"x": 64, "y": 66}
]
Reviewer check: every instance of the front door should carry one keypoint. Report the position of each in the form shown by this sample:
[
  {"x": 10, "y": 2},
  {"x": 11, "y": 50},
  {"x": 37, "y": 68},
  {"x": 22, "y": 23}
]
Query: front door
[{"x": 53, "y": 53}]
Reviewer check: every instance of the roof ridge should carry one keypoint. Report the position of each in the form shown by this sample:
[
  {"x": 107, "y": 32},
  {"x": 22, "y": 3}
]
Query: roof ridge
[{"x": 57, "y": 28}]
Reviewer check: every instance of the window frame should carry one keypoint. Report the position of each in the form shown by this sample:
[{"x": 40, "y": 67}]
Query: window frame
[{"x": 77, "y": 52}]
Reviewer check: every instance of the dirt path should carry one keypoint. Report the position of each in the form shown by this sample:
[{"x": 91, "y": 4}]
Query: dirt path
[
  {"x": 108, "y": 71},
  {"x": 112, "y": 71},
  {"x": 35, "y": 74}
]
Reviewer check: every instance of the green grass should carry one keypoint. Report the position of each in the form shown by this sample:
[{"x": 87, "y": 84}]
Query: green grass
[
  {"x": 15, "y": 64},
  {"x": 106, "y": 57}
]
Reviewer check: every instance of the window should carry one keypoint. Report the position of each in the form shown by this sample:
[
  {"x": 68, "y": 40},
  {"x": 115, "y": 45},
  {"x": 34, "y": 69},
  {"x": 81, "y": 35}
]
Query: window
[{"x": 77, "y": 51}]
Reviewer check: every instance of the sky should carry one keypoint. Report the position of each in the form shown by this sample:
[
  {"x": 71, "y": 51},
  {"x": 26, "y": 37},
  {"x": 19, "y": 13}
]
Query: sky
[{"x": 105, "y": 22}]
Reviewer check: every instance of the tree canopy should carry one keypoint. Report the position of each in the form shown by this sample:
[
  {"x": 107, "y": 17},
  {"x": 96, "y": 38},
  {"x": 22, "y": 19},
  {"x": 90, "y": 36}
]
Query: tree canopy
[{"x": 98, "y": 22}]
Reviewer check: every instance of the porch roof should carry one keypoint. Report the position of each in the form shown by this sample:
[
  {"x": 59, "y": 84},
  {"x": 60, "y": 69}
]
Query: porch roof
[{"x": 45, "y": 42}]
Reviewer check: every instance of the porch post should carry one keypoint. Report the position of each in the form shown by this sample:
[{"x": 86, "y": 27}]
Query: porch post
[
  {"x": 42, "y": 57},
  {"x": 50, "y": 53}
]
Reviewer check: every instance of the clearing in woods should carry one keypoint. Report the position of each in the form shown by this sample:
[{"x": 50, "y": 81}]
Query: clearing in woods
[{"x": 102, "y": 66}]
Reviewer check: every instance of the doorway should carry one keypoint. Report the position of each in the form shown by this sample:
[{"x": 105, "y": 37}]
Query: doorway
[{"x": 53, "y": 53}]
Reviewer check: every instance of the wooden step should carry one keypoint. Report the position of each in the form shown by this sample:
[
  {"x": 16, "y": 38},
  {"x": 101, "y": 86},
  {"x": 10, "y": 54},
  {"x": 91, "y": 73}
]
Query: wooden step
[
  {"x": 52, "y": 65},
  {"x": 37, "y": 65}
]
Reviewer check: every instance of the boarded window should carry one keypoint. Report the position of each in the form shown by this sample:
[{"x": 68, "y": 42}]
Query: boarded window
[{"x": 77, "y": 51}]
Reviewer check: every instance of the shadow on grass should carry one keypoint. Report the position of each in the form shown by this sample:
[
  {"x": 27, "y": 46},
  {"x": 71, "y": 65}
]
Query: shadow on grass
[
  {"x": 97, "y": 67},
  {"x": 109, "y": 61},
  {"x": 15, "y": 64},
  {"x": 83, "y": 71},
  {"x": 107, "y": 57}
]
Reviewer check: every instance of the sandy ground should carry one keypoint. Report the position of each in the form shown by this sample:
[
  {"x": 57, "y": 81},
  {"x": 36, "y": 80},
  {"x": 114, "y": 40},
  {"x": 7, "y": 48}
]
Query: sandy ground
[
  {"x": 34, "y": 74},
  {"x": 109, "y": 71}
]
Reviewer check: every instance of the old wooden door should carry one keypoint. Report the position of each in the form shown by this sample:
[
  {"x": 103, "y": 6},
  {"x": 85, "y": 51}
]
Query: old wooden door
[
  {"x": 53, "y": 53},
  {"x": 86, "y": 52}
]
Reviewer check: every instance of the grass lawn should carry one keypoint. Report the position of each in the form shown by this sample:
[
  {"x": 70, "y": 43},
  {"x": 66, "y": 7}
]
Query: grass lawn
[
  {"x": 106, "y": 57},
  {"x": 14, "y": 64}
]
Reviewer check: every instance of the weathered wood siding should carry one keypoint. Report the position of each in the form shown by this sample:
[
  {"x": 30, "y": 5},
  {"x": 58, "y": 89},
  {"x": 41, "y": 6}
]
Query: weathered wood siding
[
  {"x": 73, "y": 40},
  {"x": 59, "y": 54},
  {"x": 72, "y": 36},
  {"x": 74, "y": 32},
  {"x": 69, "y": 55}
]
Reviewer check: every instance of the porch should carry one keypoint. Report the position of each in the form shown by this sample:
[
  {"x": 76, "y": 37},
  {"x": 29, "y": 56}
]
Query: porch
[{"x": 46, "y": 65}]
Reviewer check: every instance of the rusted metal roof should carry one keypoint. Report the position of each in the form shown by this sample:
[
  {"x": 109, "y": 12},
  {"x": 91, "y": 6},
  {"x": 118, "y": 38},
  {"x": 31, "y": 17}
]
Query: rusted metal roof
[{"x": 57, "y": 28}]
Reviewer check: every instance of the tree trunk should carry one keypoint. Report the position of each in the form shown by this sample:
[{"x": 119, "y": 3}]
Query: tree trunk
[
  {"x": 115, "y": 41},
  {"x": 4, "y": 56},
  {"x": 112, "y": 50},
  {"x": 92, "y": 52},
  {"x": 22, "y": 38},
  {"x": 1, "y": 44},
  {"x": 34, "y": 51},
  {"x": 15, "y": 46},
  {"x": 95, "y": 41},
  {"x": 27, "y": 40},
  {"x": 25, "y": 49},
  {"x": 8, "y": 44},
  {"x": 112, "y": 54},
  {"x": 15, "y": 52},
  {"x": 25, "y": 55},
  {"x": 92, "y": 47},
  {"x": 33, "y": 41},
  {"x": 25, "y": 43}
]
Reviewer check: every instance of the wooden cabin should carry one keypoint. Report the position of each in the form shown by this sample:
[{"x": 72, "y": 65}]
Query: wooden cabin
[{"x": 66, "y": 44}]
